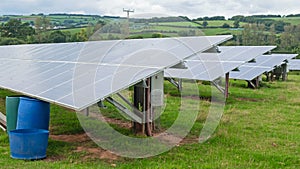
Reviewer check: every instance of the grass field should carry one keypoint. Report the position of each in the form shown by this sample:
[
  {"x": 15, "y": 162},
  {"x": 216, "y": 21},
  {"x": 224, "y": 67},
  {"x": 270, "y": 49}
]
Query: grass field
[
  {"x": 73, "y": 30},
  {"x": 291, "y": 20},
  {"x": 221, "y": 23},
  {"x": 259, "y": 129},
  {"x": 183, "y": 23},
  {"x": 220, "y": 31}
]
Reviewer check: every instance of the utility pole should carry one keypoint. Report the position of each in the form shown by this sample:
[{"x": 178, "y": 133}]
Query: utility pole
[{"x": 128, "y": 11}]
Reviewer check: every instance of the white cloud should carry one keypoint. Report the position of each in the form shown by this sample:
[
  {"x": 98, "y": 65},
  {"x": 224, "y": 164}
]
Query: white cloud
[{"x": 191, "y": 8}]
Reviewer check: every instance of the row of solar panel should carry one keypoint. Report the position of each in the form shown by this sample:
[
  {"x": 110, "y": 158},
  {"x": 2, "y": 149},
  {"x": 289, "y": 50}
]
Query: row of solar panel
[
  {"x": 262, "y": 64},
  {"x": 210, "y": 66},
  {"x": 249, "y": 60},
  {"x": 77, "y": 75}
]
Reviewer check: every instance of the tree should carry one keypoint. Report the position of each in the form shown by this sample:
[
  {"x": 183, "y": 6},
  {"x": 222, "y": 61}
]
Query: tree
[
  {"x": 236, "y": 24},
  {"x": 98, "y": 25},
  {"x": 57, "y": 37},
  {"x": 80, "y": 36},
  {"x": 14, "y": 28},
  {"x": 246, "y": 35},
  {"x": 226, "y": 25},
  {"x": 42, "y": 24},
  {"x": 157, "y": 35},
  {"x": 90, "y": 30},
  {"x": 254, "y": 34},
  {"x": 259, "y": 34},
  {"x": 279, "y": 26},
  {"x": 290, "y": 38},
  {"x": 11, "y": 41},
  {"x": 272, "y": 36},
  {"x": 204, "y": 24}
]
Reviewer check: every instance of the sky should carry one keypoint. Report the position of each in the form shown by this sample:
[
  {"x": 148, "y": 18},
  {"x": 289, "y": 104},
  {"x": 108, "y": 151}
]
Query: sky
[{"x": 190, "y": 8}]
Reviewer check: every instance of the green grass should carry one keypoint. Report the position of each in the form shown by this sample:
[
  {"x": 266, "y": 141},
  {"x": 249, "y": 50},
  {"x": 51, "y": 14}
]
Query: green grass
[
  {"x": 57, "y": 18},
  {"x": 291, "y": 20},
  {"x": 259, "y": 129},
  {"x": 167, "y": 28},
  {"x": 219, "y": 31},
  {"x": 221, "y": 23},
  {"x": 73, "y": 30},
  {"x": 183, "y": 23},
  {"x": 170, "y": 26}
]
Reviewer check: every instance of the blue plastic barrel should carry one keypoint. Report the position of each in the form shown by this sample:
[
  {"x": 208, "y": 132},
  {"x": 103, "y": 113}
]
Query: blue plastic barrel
[
  {"x": 33, "y": 113},
  {"x": 12, "y": 105},
  {"x": 28, "y": 144}
]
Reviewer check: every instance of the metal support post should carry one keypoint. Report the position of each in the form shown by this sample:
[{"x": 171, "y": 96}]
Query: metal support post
[
  {"x": 2, "y": 121},
  {"x": 86, "y": 112},
  {"x": 227, "y": 85}
]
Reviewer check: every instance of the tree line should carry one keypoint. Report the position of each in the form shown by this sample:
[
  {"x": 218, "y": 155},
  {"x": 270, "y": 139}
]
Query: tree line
[
  {"x": 257, "y": 34},
  {"x": 15, "y": 32},
  {"x": 285, "y": 36}
]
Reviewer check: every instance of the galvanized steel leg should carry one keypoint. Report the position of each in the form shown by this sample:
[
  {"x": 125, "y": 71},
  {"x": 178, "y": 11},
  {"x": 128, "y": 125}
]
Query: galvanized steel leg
[{"x": 226, "y": 85}]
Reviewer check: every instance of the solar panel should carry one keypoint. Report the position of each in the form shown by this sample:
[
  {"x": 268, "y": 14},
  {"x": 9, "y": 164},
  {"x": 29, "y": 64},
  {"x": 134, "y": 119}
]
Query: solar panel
[
  {"x": 264, "y": 63},
  {"x": 248, "y": 72},
  {"x": 210, "y": 66},
  {"x": 234, "y": 53},
  {"x": 108, "y": 51},
  {"x": 294, "y": 64},
  {"x": 206, "y": 71},
  {"x": 77, "y": 75},
  {"x": 272, "y": 60}
]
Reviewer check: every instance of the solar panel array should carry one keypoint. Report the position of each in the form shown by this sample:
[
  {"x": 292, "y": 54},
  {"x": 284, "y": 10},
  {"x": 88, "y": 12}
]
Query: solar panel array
[
  {"x": 77, "y": 75},
  {"x": 248, "y": 72},
  {"x": 264, "y": 63},
  {"x": 210, "y": 66},
  {"x": 294, "y": 64}
]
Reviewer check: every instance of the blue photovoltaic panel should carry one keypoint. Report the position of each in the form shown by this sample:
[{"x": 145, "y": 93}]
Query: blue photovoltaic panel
[
  {"x": 210, "y": 66},
  {"x": 264, "y": 63},
  {"x": 294, "y": 64},
  {"x": 234, "y": 53},
  {"x": 206, "y": 71},
  {"x": 272, "y": 60},
  {"x": 248, "y": 73},
  {"x": 77, "y": 75},
  {"x": 111, "y": 52}
]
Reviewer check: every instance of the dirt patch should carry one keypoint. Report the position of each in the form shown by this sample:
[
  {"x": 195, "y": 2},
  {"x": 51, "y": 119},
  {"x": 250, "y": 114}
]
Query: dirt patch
[
  {"x": 96, "y": 153},
  {"x": 54, "y": 158},
  {"x": 173, "y": 139},
  {"x": 78, "y": 138},
  {"x": 117, "y": 122},
  {"x": 189, "y": 141},
  {"x": 87, "y": 151}
]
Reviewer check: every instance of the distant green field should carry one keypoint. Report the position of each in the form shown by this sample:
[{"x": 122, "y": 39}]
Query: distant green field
[
  {"x": 73, "y": 30},
  {"x": 58, "y": 18},
  {"x": 292, "y": 20},
  {"x": 221, "y": 23},
  {"x": 25, "y": 18},
  {"x": 191, "y": 24},
  {"x": 168, "y": 28},
  {"x": 183, "y": 23},
  {"x": 220, "y": 31}
]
